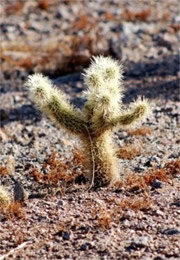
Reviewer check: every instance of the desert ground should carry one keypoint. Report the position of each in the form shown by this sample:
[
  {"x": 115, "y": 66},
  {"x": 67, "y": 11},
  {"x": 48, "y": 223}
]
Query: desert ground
[{"x": 53, "y": 214}]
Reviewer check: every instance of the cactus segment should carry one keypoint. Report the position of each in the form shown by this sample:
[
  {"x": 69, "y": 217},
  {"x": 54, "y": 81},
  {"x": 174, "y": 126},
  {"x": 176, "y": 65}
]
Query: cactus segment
[
  {"x": 54, "y": 104},
  {"x": 135, "y": 114}
]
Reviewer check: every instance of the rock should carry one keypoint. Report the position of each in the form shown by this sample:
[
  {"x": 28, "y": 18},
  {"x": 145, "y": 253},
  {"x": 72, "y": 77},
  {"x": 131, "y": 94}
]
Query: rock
[
  {"x": 60, "y": 203},
  {"x": 176, "y": 203},
  {"x": 17, "y": 99},
  {"x": 174, "y": 155},
  {"x": 66, "y": 235},
  {"x": 139, "y": 169},
  {"x": 4, "y": 115},
  {"x": 28, "y": 166},
  {"x": 141, "y": 241},
  {"x": 138, "y": 242},
  {"x": 130, "y": 214},
  {"x": 159, "y": 212},
  {"x": 115, "y": 49},
  {"x": 19, "y": 193},
  {"x": 37, "y": 196},
  {"x": 84, "y": 229},
  {"x": 83, "y": 247},
  {"x": 152, "y": 161},
  {"x": 177, "y": 19},
  {"x": 162, "y": 42},
  {"x": 63, "y": 13},
  {"x": 171, "y": 232},
  {"x": 131, "y": 247},
  {"x": 156, "y": 184}
]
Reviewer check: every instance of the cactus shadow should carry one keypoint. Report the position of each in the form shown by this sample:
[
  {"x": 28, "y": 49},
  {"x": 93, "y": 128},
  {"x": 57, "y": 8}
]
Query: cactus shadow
[
  {"x": 21, "y": 114},
  {"x": 154, "y": 79},
  {"x": 164, "y": 89}
]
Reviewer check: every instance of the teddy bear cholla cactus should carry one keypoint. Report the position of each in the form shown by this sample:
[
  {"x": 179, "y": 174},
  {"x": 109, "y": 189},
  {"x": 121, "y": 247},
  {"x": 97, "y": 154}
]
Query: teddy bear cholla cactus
[{"x": 101, "y": 114}]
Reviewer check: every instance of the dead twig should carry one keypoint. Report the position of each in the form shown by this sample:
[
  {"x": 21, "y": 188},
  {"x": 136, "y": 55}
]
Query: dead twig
[{"x": 11, "y": 252}]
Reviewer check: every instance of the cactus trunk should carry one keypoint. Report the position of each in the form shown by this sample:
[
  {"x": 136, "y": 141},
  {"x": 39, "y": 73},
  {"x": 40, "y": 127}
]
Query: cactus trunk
[{"x": 101, "y": 160}]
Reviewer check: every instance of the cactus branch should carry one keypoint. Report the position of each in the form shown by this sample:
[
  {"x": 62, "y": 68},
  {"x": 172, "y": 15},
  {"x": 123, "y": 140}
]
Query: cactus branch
[
  {"x": 137, "y": 113},
  {"x": 64, "y": 114},
  {"x": 54, "y": 103}
]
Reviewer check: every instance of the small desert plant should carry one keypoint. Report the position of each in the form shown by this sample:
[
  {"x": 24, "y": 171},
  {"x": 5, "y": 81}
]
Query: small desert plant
[
  {"x": 5, "y": 198},
  {"x": 9, "y": 207},
  {"x": 101, "y": 114}
]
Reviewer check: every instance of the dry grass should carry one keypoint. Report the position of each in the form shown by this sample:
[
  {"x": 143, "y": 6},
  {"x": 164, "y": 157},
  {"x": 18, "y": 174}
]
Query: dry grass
[
  {"x": 130, "y": 15},
  {"x": 104, "y": 218},
  {"x": 19, "y": 237},
  {"x": 17, "y": 6},
  {"x": 134, "y": 181},
  {"x": 14, "y": 7},
  {"x": 78, "y": 157},
  {"x": 14, "y": 210},
  {"x": 58, "y": 169},
  {"x": 83, "y": 23},
  {"x": 43, "y": 4},
  {"x": 142, "y": 131},
  {"x": 173, "y": 167},
  {"x": 129, "y": 152},
  {"x": 4, "y": 170},
  {"x": 135, "y": 203},
  {"x": 36, "y": 174},
  {"x": 109, "y": 16}
]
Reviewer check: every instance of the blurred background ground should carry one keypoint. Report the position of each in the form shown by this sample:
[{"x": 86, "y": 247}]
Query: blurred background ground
[{"x": 58, "y": 38}]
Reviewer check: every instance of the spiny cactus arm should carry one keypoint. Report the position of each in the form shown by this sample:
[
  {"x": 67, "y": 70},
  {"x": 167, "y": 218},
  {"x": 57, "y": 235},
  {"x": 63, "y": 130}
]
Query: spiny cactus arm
[
  {"x": 54, "y": 103},
  {"x": 138, "y": 111},
  {"x": 103, "y": 69},
  {"x": 105, "y": 89}
]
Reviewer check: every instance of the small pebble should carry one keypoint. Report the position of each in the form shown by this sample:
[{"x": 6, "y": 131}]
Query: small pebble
[
  {"x": 156, "y": 184},
  {"x": 84, "y": 247},
  {"x": 141, "y": 241},
  {"x": 66, "y": 235}
]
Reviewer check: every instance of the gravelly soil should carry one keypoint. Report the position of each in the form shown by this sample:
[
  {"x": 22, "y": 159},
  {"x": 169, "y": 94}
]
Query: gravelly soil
[{"x": 65, "y": 220}]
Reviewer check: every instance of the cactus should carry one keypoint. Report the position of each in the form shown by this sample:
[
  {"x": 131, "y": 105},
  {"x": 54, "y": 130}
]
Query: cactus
[
  {"x": 5, "y": 198},
  {"x": 102, "y": 113}
]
